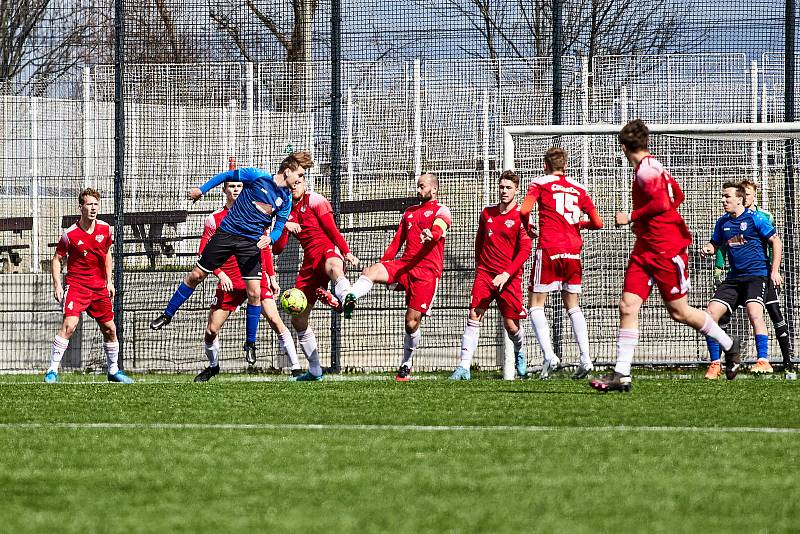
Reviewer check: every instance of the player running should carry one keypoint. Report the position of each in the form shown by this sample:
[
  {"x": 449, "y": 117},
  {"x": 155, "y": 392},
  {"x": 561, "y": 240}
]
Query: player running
[
  {"x": 422, "y": 229},
  {"x": 659, "y": 256},
  {"x": 232, "y": 292},
  {"x": 264, "y": 199},
  {"x": 772, "y": 301},
  {"x": 324, "y": 253},
  {"x": 742, "y": 232},
  {"x": 561, "y": 204},
  {"x": 89, "y": 285},
  {"x": 502, "y": 246}
]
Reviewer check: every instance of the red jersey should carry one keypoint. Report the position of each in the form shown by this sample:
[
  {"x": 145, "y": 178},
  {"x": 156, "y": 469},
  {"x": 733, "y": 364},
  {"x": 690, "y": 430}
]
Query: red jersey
[
  {"x": 562, "y": 202},
  {"x": 655, "y": 219},
  {"x": 230, "y": 267},
  {"x": 427, "y": 256},
  {"x": 318, "y": 231},
  {"x": 501, "y": 244},
  {"x": 86, "y": 254}
]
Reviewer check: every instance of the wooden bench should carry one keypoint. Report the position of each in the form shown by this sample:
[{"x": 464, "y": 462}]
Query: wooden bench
[
  {"x": 389, "y": 205},
  {"x": 16, "y": 225}
]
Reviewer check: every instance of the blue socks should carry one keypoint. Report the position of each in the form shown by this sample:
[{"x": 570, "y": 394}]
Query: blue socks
[
  {"x": 713, "y": 349},
  {"x": 180, "y": 296},
  {"x": 761, "y": 345},
  {"x": 253, "y": 317}
]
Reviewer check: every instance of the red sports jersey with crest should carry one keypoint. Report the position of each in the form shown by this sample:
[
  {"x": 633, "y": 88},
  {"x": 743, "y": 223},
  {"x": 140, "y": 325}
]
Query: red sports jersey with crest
[
  {"x": 427, "y": 256},
  {"x": 230, "y": 267},
  {"x": 562, "y": 202},
  {"x": 655, "y": 219},
  {"x": 318, "y": 232},
  {"x": 86, "y": 254},
  {"x": 501, "y": 244}
]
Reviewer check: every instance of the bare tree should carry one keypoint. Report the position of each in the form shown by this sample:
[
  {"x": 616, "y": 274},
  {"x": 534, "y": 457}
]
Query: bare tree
[{"x": 153, "y": 34}]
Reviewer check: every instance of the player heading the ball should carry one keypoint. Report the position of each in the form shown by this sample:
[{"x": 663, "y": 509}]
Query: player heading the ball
[
  {"x": 502, "y": 246},
  {"x": 660, "y": 256},
  {"x": 89, "y": 284},
  {"x": 417, "y": 271},
  {"x": 264, "y": 199}
]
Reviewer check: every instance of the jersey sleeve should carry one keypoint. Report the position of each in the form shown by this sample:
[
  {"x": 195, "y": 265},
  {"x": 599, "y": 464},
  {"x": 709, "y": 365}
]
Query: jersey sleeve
[
  {"x": 398, "y": 239},
  {"x": 324, "y": 211},
  {"x": 717, "y": 239},
  {"x": 523, "y": 248},
  {"x": 209, "y": 229},
  {"x": 441, "y": 223},
  {"x": 62, "y": 247},
  {"x": 266, "y": 261},
  {"x": 479, "y": 237},
  {"x": 531, "y": 197},
  {"x": 280, "y": 221},
  {"x": 586, "y": 204},
  {"x": 110, "y": 237},
  {"x": 764, "y": 227}
]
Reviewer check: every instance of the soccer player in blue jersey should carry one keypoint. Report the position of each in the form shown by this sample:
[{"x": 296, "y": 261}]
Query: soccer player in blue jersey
[
  {"x": 264, "y": 199},
  {"x": 742, "y": 232}
]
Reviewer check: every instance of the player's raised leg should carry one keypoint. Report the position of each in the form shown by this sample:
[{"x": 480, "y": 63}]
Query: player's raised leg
[
  {"x": 375, "y": 273},
  {"x": 181, "y": 295}
]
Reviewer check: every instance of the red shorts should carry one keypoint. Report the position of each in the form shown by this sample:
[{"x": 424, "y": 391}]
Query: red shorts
[
  {"x": 671, "y": 274},
  {"x": 509, "y": 300},
  {"x": 231, "y": 300},
  {"x": 556, "y": 270},
  {"x": 312, "y": 275},
  {"x": 420, "y": 286},
  {"x": 95, "y": 302}
]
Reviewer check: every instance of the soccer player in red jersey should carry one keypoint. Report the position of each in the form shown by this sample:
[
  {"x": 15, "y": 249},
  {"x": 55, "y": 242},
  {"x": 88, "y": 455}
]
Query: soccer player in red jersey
[
  {"x": 417, "y": 271},
  {"x": 502, "y": 245},
  {"x": 561, "y": 204},
  {"x": 324, "y": 254},
  {"x": 231, "y": 293},
  {"x": 659, "y": 256},
  {"x": 89, "y": 285}
]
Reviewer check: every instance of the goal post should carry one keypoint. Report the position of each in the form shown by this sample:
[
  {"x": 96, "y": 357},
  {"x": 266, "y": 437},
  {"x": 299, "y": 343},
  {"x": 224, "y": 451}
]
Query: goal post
[{"x": 701, "y": 156}]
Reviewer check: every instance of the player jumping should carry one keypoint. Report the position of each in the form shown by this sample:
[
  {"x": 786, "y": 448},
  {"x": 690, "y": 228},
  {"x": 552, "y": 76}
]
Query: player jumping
[
  {"x": 89, "y": 285},
  {"x": 422, "y": 229},
  {"x": 231, "y": 293},
  {"x": 502, "y": 246},
  {"x": 324, "y": 253},
  {"x": 561, "y": 204},
  {"x": 264, "y": 199},
  {"x": 660, "y": 256},
  {"x": 742, "y": 232}
]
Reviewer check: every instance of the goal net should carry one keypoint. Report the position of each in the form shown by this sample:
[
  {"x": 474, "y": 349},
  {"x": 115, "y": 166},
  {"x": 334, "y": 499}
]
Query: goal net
[{"x": 701, "y": 157}]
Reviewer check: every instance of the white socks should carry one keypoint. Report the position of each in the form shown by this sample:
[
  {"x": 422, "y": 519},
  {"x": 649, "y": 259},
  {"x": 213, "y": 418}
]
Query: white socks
[
  {"x": 212, "y": 352},
  {"x": 287, "y": 344},
  {"x": 518, "y": 339},
  {"x": 469, "y": 342},
  {"x": 410, "y": 344},
  {"x": 542, "y": 331},
  {"x": 581, "y": 332},
  {"x": 59, "y": 346},
  {"x": 627, "y": 339},
  {"x": 112, "y": 354},
  {"x": 362, "y": 286},
  {"x": 341, "y": 288},
  {"x": 713, "y": 330},
  {"x": 308, "y": 342}
]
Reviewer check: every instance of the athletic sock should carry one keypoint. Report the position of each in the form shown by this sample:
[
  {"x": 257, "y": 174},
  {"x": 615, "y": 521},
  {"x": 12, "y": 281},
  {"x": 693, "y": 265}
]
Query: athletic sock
[
  {"x": 469, "y": 342},
  {"x": 518, "y": 339},
  {"x": 341, "y": 288},
  {"x": 180, "y": 296},
  {"x": 784, "y": 340},
  {"x": 212, "y": 352},
  {"x": 542, "y": 331},
  {"x": 253, "y": 318},
  {"x": 410, "y": 344},
  {"x": 60, "y": 345},
  {"x": 287, "y": 344},
  {"x": 713, "y": 349},
  {"x": 362, "y": 286},
  {"x": 627, "y": 339},
  {"x": 111, "y": 349},
  {"x": 762, "y": 346},
  {"x": 712, "y": 329},
  {"x": 308, "y": 342},
  {"x": 581, "y": 332}
]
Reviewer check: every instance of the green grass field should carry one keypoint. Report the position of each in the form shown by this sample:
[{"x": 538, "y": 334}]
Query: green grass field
[{"x": 234, "y": 455}]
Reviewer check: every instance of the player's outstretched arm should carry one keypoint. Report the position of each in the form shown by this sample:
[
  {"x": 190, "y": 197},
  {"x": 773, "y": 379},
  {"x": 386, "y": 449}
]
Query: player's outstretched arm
[
  {"x": 527, "y": 207},
  {"x": 328, "y": 224},
  {"x": 394, "y": 246}
]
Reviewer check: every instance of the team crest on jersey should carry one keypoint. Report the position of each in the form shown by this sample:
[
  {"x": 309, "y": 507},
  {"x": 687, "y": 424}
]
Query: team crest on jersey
[
  {"x": 743, "y": 226},
  {"x": 303, "y": 209},
  {"x": 278, "y": 202},
  {"x": 99, "y": 238},
  {"x": 428, "y": 213},
  {"x": 509, "y": 223}
]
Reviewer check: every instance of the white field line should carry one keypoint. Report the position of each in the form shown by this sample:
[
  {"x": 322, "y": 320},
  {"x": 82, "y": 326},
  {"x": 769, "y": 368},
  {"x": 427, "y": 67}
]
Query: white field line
[{"x": 401, "y": 428}]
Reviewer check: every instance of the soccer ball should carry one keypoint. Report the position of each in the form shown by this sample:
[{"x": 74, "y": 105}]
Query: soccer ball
[{"x": 293, "y": 301}]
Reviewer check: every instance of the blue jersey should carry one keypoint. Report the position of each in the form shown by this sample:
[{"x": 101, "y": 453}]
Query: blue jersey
[
  {"x": 260, "y": 201},
  {"x": 743, "y": 237}
]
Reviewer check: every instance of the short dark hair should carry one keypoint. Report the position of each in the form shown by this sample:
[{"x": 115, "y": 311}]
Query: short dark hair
[
  {"x": 510, "y": 176},
  {"x": 740, "y": 192},
  {"x": 635, "y": 136},
  {"x": 88, "y": 192}
]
